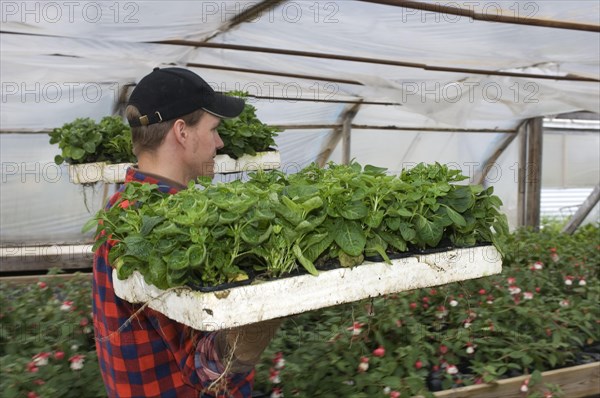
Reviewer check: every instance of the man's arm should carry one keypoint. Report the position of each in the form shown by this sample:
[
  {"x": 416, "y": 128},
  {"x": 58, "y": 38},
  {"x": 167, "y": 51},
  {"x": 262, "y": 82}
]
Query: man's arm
[{"x": 244, "y": 345}]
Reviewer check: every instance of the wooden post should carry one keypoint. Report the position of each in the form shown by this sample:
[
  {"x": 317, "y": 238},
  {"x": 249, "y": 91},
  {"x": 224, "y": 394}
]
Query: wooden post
[
  {"x": 480, "y": 177},
  {"x": 346, "y": 138},
  {"x": 583, "y": 211},
  {"x": 521, "y": 172},
  {"x": 534, "y": 173},
  {"x": 345, "y": 121}
]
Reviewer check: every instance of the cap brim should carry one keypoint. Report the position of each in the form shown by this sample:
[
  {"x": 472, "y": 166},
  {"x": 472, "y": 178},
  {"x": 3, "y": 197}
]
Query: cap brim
[{"x": 225, "y": 107}]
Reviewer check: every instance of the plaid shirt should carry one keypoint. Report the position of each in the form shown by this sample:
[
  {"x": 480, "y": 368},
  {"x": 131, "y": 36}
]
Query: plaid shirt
[{"x": 152, "y": 355}]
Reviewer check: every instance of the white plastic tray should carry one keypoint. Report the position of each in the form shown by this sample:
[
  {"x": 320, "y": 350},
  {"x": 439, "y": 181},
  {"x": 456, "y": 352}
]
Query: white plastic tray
[
  {"x": 267, "y": 300},
  {"x": 88, "y": 173},
  {"x": 269, "y": 160}
]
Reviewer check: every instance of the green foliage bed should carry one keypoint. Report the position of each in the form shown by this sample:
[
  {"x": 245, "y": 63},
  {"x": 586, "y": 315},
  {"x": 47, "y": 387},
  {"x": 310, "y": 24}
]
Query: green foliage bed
[
  {"x": 541, "y": 313},
  {"x": 409, "y": 341}
]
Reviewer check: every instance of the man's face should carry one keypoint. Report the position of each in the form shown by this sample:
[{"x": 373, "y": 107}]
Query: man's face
[{"x": 204, "y": 142}]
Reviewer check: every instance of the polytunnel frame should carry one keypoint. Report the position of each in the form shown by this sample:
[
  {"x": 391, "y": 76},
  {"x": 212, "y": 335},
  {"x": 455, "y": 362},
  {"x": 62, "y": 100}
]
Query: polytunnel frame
[{"x": 529, "y": 130}]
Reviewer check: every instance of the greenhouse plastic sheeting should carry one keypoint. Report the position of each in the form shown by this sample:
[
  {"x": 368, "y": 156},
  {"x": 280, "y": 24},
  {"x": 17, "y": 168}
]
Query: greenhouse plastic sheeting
[{"x": 63, "y": 60}]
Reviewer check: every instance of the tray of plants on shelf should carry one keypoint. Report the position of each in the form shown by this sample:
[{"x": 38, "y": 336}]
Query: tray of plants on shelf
[
  {"x": 94, "y": 151},
  {"x": 241, "y": 252},
  {"x": 103, "y": 151},
  {"x": 249, "y": 144}
]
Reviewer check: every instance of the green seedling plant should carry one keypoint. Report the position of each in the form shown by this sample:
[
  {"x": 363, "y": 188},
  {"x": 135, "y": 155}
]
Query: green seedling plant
[
  {"x": 273, "y": 225},
  {"x": 85, "y": 141},
  {"x": 245, "y": 134}
]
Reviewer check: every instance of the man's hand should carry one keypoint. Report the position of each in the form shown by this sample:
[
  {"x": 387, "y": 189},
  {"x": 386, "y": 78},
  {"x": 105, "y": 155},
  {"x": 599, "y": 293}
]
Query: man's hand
[{"x": 245, "y": 344}]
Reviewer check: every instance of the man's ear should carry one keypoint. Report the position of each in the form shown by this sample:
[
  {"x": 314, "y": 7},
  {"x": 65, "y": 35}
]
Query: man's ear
[{"x": 180, "y": 131}]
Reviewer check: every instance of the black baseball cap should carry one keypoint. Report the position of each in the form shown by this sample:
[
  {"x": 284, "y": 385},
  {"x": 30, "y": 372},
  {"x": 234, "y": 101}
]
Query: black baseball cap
[{"x": 169, "y": 93}]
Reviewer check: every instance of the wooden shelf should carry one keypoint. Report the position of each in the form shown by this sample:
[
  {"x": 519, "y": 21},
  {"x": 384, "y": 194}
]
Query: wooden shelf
[{"x": 575, "y": 382}]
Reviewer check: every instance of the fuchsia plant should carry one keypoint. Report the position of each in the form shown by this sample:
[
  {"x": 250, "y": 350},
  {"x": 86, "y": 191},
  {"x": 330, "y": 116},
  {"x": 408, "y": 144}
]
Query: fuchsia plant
[{"x": 455, "y": 335}]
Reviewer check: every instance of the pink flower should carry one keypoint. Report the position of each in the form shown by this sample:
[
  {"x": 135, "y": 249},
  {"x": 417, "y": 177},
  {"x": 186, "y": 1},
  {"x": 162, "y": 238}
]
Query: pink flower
[
  {"x": 59, "y": 355},
  {"x": 548, "y": 394},
  {"x": 527, "y": 296},
  {"x": 66, "y": 306},
  {"x": 42, "y": 285},
  {"x": 274, "y": 376},
  {"x": 443, "y": 349},
  {"x": 394, "y": 394},
  {"x": 441, "y": 312},
  {"x": 514, "y": 289},
  {"x": 77, "y": 362},
  {"x": 511, "y": 280},
  {"x": 451, "y": 370},
  {"x": 356, "y": 328},
  {"x": 32, "y": 394},
  {"x": 363, "y": 366},
  {"x": 538, "y": 265},
  {"x": 564, "y": 303},
  {"x": 41, "y": 359},
  {"x": 278, "y": 360},
  {"x": 124, "y": 204},
  {"x": 418, "y": 365},
  {"x": 277, "y": 392},
  {"x": 482, "y": 291},
  {"x": 39, "y": 382},
  {"x": 32, "y": 368},
  {"x": 413, "y": 306},
  {"x": 84, "y": 322},
  {"x": 524, "y": 386},
  {"x": 555, "y": 257},
  {"x": 582, "y": 282},
  {"x": 379, "y": 352}
]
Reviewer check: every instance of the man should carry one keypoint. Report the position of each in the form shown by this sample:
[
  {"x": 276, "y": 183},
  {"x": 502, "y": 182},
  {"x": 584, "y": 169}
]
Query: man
[{"x": 174, "y": 115}]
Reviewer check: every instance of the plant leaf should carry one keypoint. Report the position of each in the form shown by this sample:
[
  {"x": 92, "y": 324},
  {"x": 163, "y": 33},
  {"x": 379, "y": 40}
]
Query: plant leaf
[{"x": 350, "y": 237}]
